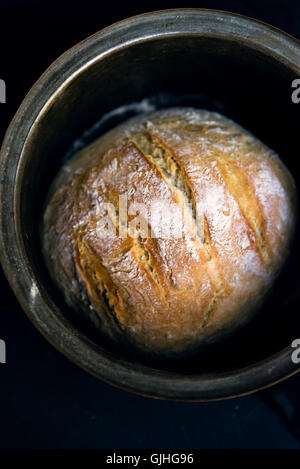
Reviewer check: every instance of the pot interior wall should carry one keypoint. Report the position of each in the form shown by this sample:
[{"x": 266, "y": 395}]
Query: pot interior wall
[{"x": 244, "y": 84}]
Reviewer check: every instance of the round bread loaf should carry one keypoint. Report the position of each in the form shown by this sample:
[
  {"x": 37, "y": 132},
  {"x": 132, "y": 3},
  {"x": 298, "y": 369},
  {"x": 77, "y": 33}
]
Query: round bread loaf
[{"x": 169, "y": 230}]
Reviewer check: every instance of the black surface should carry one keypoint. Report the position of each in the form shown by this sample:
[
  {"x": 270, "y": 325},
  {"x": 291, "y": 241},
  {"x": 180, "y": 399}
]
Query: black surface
[{"x": 45, "y": 400}]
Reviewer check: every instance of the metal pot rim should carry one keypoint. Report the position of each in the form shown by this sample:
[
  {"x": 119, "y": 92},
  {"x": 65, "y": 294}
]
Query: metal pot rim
[{"x": 132, "y": 377}]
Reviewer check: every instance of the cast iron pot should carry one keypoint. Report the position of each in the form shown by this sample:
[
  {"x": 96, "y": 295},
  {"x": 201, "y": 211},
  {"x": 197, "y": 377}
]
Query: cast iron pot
[{"x": 205, "y": 58}]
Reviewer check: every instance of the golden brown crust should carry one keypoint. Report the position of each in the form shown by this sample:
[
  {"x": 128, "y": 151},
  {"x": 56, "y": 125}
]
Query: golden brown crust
[{"x": 167, "y": 294}]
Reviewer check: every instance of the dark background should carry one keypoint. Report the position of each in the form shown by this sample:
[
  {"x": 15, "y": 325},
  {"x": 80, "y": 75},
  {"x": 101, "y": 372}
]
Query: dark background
[{"x": 45, "y": 400}]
